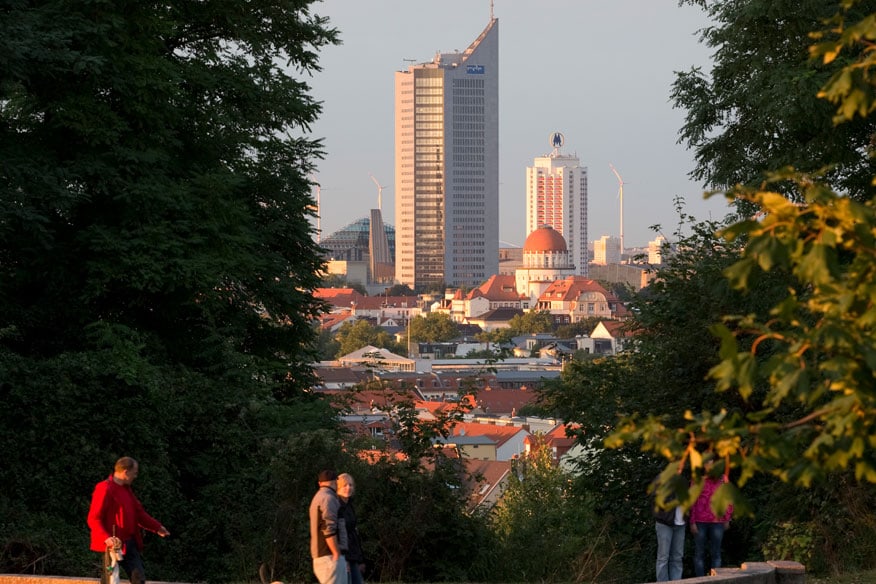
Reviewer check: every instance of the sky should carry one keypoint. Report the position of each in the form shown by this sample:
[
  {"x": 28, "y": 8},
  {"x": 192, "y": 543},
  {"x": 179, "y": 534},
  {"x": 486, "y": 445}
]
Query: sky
[{"x": 599, "y": 71}]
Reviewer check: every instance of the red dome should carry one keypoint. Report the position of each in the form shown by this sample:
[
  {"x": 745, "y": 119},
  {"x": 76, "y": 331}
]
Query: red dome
[{"x": 545, "y": 239}]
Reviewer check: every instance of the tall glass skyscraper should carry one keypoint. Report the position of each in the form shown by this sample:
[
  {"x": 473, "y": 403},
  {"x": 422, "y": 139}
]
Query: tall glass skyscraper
[
  {"x": 556, "y": 195},
  {"x": 447, "y": 166}
]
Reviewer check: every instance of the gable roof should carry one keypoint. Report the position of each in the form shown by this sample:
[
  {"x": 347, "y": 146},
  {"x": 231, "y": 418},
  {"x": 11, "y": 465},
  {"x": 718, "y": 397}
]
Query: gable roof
[
  {"x": 571, "y": 287},
  {"x": 378, "y": 302},
  {"x": 499, "y": 288},
  {"x": 333, "y": 320},
  {"x": 501, "y": 314},
  {"x": 498, "y": 434},
  {"x": 338, "y": 297},
  {"x": 504, "y": 401},
  {"x": 611, "y": 329}
]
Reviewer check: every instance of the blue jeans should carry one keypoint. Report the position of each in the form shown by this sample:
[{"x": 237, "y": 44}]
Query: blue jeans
[
  {"x": 714, "y": 532},
  {"x": 670, "y": 550}
]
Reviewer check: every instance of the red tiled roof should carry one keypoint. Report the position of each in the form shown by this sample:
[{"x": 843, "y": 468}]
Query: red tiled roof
[
  {"x": 504, "y": 401},
  {"x": 498, "y": 288},
  {"x": 338, "y": 297},
  {"x": 499, "y": 434},
  {"x": 332, "y": 319},
  {"x": 616, "y": 328},
  {"x": 571, "y": 288},
  {"x": 377, "y": 302}
]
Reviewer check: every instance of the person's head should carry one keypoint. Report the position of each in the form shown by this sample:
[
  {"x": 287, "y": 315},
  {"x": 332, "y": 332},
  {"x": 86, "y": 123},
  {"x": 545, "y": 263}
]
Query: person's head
[
  {"x": 346, "y": 486},
  {"x": 328, "y": 478},
  {"x": 126, "y": 470}
]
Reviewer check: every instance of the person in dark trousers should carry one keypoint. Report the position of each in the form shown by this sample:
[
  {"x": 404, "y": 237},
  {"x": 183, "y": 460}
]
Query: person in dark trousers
[
  {"x": 353, "y": 553},
  {"x": 325, "y": 541},
  {"x": 116, "y": 517}
]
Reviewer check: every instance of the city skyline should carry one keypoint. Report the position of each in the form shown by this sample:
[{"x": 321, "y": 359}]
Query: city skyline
[{"x": 562, "y": 69}]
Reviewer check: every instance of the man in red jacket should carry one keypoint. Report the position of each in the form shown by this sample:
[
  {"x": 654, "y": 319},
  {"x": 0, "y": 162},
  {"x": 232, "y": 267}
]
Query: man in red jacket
[{"x": 116, "y": 518}]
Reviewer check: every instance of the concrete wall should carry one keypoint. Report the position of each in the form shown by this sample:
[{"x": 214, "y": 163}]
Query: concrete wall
[
  {"x": 778, "y": 572},
  {"x": 750, "y": 573}
]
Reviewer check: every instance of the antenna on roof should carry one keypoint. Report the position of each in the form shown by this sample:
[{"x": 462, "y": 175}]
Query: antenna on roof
[{"x": 491, "y": 10}]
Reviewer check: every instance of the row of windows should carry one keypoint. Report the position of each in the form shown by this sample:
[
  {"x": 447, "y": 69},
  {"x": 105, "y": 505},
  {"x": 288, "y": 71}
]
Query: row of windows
[
  {"x": 468, "y": 139},
  {"x": 477, "y": 121},
  {"x": 466, "y": 91},
  {"x": 462, "y": 101},
  {"x": 437, "y": 81},
  {"x": 468, "y": 82},
  {"x": 467, "y": 109}
]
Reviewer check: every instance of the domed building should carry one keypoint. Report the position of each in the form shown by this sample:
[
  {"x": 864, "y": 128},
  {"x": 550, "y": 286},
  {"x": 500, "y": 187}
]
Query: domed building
[{"x": 546, "y": 259}]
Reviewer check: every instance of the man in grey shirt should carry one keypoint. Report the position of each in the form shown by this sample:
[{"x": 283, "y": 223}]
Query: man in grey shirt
[{"x": 329, "y": 565}]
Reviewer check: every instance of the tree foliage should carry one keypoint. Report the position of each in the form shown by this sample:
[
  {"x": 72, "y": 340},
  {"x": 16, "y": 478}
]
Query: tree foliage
[
  {"x": 758, "y": 109},
  {"x": 665, "y": 374},
  {"x": 433, "y": 327},
  {"x": 353, "y": 335},
  {"x": 156, "y": 268},
  {"x": 804, "y": 370},
  {"x": 534, "y": 321},
  {"x": 540, "y": 510}
]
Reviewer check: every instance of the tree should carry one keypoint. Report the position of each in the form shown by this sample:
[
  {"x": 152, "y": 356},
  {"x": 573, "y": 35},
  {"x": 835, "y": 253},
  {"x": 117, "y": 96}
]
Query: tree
[
  {"x": 540, "y": 510},
  {"x": 664, "y": 375},
  {"x": 805, "y": 368},
  {"x": 742, "y": 130},
  {"x": 354, "y": 335},
  {"x": 400, "y": 290},
  {"x": 156, "y": 253},
  {"x": 534, "y": 321},
  {"x": 433, "y": 327}
]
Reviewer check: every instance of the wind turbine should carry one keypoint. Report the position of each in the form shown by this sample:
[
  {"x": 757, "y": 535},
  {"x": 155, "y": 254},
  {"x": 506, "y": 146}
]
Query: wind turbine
[
  {"x": 380, "y": 188},
  {"x": 620, "y": 194}
]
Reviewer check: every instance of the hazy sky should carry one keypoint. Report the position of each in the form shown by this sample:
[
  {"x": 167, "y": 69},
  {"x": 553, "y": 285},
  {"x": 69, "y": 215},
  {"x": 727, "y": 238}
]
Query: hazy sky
[{"x": 599, "y": 71}]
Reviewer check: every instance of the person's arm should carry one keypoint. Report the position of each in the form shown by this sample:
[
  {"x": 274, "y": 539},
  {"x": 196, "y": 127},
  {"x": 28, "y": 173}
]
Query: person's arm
[
  {"x": 330, "y": 517},
  {"x": 148, "y": 522},
  {"x": 95, "y": 515}
]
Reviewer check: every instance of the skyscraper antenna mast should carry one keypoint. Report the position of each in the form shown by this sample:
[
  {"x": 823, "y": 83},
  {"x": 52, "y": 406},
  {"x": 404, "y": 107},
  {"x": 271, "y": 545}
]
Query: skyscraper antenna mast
[
  {"x": 491, "y": 10},
  {"x": 620, "y": 194}
]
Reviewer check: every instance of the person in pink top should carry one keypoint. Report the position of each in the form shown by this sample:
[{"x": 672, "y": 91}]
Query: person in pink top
[
  {"x": 116, "y": 517},
  {"x": 704, "y": 525}
]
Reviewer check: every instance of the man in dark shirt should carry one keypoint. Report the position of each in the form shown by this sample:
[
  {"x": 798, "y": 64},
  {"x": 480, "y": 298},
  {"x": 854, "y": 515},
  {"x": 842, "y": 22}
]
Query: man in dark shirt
[{"x": 328, "y": 563}]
